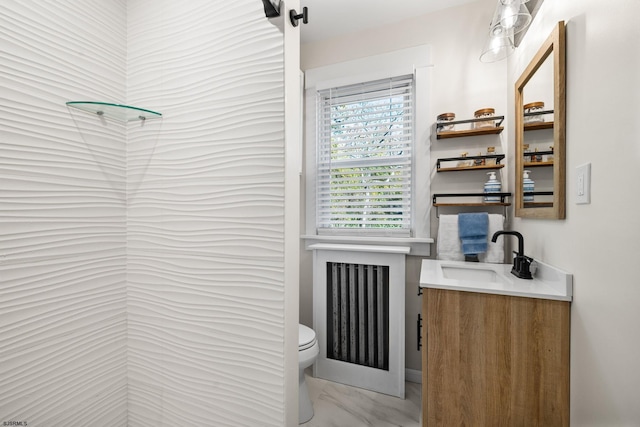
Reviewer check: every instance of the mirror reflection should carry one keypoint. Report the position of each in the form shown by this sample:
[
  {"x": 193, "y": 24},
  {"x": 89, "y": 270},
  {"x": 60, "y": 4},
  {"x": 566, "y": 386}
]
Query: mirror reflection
[
  {"x": 540, "y": 134},
  {"x": 538, "y": 143}
]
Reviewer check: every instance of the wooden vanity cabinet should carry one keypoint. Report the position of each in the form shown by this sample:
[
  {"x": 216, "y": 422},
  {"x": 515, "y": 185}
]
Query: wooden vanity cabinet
[{"x": 494, "y": 360}]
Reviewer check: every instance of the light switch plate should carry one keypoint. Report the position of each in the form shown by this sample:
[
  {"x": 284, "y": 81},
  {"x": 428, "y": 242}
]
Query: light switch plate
[{"x": 583, "y": 184}]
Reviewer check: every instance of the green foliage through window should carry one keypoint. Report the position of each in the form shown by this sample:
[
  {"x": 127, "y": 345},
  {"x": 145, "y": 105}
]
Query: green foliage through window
[{"x": 364, "y": 158}]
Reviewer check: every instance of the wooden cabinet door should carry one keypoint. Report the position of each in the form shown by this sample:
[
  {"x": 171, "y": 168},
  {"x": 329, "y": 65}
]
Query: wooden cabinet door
[{"x": 495, "y": 360}]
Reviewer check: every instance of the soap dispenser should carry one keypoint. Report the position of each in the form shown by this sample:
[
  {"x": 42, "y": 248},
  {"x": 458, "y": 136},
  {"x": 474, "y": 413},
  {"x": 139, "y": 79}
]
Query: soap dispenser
[
  {"x": 492, "y": 186},
  {"x": 527, "y": 186}
]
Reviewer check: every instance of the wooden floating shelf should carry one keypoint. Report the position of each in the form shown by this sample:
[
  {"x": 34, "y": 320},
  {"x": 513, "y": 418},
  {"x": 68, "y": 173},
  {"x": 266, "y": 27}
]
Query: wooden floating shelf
[
  {"x": 502, "y": 203},
  {"x": 470, "y": 168},
  {"x": 496, "y": 158},
  {"x": 538, "y": 126},
  {"x": 502, "y": 197},
  {"x": 538, "y": 204},
  {"x": 472, "y": 204},
  {"x": 537, "y": 164},
  {"x": 469, "y": 132}
]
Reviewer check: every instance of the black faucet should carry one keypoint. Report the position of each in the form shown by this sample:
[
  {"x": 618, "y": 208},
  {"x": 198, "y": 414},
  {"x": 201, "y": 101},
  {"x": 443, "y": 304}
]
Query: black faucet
[{"x": 521, "y": 262}]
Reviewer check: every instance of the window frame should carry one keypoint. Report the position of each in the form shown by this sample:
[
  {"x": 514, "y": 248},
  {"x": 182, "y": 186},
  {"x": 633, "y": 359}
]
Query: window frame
[
  {"x": 416, "y": 61},
  {"x": 352, "y": 96}
]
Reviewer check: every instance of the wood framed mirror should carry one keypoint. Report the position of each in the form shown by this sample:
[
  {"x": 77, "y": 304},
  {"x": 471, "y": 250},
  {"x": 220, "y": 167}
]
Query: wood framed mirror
[{"x": 540, "y": 132}]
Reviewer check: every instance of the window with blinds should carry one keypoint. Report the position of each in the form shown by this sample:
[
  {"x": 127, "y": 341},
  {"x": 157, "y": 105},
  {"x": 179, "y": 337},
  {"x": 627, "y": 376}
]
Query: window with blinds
[{"x": 365, "y": 139}]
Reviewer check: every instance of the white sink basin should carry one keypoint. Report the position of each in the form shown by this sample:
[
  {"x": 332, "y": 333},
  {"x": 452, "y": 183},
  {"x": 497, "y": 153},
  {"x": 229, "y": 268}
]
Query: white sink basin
[
  {"x": 470, "y": 273},
  {"x": 548, "y": 282}
]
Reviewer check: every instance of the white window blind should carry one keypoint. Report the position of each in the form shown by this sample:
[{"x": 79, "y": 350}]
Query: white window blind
[{"x": 365, "y": 139}]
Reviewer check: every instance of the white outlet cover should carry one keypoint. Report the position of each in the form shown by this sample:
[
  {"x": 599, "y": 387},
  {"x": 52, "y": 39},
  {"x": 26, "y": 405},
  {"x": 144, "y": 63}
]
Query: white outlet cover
[{"x": 583, "y": 184}]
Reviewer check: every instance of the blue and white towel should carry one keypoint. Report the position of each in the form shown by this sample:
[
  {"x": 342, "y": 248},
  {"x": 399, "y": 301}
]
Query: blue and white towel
[
  {"x": 473, "y": 229},
  {"x": 448, "y": 242}
]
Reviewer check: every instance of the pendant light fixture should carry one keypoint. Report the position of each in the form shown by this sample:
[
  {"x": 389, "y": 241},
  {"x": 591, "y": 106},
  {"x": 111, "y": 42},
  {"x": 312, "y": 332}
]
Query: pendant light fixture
[
  {"x": 514, "y": 15},
  {"x": 509, "y": 18}
]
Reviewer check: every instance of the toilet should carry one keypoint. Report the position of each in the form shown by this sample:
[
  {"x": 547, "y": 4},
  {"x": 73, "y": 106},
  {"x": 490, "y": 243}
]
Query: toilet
[{"x": 308, "y": 350}]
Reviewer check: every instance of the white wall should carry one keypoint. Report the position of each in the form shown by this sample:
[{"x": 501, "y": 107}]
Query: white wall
[
  {"x": 598, "y": 242},
  {"x": 62, "y": 215},
  {"x": 206, "y": 215},
  {"x": 293, "y": 164},
  {"x": 142, "y": 266},
  {"x": 459, "y": 83}
]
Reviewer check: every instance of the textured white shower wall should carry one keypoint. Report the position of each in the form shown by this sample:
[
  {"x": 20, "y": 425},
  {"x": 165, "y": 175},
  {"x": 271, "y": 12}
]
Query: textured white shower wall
[
  {"x": 205, "y": 215},
  {"x": 62, "y": 215},
  {"x": 176, "y": 315}
]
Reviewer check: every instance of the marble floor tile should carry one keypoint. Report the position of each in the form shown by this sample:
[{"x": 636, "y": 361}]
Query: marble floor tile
[{"x": 339, "y": 405}]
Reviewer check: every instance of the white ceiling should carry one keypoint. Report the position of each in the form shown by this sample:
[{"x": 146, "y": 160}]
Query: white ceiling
[{"x": 330, "y": 18}]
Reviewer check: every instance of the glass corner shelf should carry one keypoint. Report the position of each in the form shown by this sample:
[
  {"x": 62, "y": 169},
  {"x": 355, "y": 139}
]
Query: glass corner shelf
[{"x": 123, "y": 113}]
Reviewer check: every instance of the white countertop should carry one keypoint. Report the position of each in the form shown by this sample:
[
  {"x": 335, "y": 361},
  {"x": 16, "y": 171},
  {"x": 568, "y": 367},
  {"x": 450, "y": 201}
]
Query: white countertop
[{"x": 548, "y": 282}]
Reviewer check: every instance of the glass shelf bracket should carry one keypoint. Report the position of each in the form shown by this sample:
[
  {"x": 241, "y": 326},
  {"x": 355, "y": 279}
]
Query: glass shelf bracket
[{"x": 123, "y": 113}]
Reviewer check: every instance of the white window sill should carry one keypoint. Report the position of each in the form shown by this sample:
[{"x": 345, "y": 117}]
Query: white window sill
[{"x": 419, "y": 246}]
